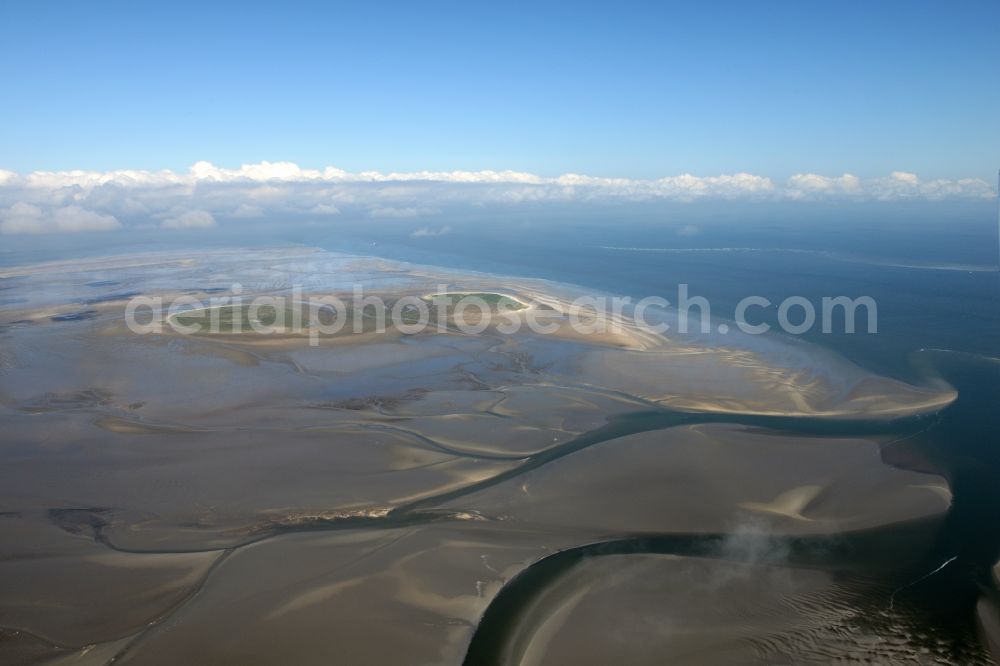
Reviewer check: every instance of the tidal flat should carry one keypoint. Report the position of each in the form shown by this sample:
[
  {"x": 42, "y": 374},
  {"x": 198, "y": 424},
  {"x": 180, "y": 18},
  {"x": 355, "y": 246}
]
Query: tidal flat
[{"x": 444, "y": 497}]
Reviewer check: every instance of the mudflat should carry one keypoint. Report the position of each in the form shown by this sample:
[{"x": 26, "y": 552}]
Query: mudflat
[{"x": 385, "y": 495}]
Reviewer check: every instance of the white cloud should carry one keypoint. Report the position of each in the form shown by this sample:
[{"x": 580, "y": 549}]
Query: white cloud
[
  {"x": 395, "y": 212},
  {"x": 903, "y": 177},
  {"x": 24, "y": 218},
  {"x": 192, "y": 219},
  {"x": 91, "y": 200},
  {"x": 324, "y": 209},
  {"x": 806, "y": 185},
  {"x": 277, "y": 176},
  {"x": 425, "y": 232},
  {"x": 897, "y": 186}
]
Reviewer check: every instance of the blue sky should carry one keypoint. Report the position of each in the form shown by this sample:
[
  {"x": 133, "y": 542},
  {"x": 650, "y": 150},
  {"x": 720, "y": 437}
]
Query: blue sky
[{"x": 634, "y": 90}]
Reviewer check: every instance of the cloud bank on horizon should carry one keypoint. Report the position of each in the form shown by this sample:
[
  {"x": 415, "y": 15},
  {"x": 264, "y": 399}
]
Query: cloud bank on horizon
[{"x": 76, "y": 201}]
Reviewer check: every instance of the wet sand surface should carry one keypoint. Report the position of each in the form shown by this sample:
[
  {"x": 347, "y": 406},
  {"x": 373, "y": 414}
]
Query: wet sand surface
[
  {"x": 247, "y": 499},
  {"x": 670, "y": 609}
]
